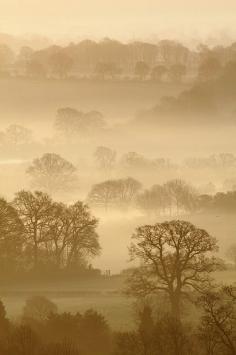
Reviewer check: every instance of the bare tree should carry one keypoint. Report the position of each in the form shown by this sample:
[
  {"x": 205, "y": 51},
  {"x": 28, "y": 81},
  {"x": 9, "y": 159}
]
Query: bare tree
[
  {"x": 182, "y": 196},
  {"x": 17, "y": 136},
  {"x": 11, "y": 237},
  {"x": 155, "y": 200},
  {"x": 67, "y": 121},
  {"x": 72, "y": 123},
  {"x": 114, "y": 193},
  {"x": 105, "y": 158},
  {"x": 218, "y": 325},
  {"x": 53, "y": 173},
  {"x": 72, "y": 236},
  {"x": 34, "y": 209},
  {"x": 174, "y": 259}
]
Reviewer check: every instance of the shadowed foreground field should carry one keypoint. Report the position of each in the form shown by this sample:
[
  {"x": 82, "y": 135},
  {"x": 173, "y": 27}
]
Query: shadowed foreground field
[{"x": 104, "y": 295}]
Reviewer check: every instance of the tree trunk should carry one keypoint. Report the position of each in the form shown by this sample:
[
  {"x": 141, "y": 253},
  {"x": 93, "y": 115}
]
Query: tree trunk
[
  {"x": 175, "y": 306},
  {"x": 35, "y": 255}
]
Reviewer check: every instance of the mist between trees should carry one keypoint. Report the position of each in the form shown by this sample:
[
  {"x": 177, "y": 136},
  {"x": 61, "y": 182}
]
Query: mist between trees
[
  {"x": 176, "y": 275},
  {"x": 86, "y": 167},
  {"x": 173, "y": 277}
]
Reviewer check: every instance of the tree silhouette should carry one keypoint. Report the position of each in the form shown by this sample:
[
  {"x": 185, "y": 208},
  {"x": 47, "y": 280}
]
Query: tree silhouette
[
  {"x": 114, "y": 193},
  {"x": 181, "y": 195},
  {"x": 11, "y": 237},
  {"x": 72, "y": 236},
  {"x": 53, "y": 173},
  {"x": 155, "y": 200},
  {"x": 17, "y": 136},
  {"x": 24, "y": 341},
  {"x": 35, "y": 211},
  {"x": 218, "y": 326},
  {"x": 174, "y": 258},
  {"x": 107, "y": 70},
  {"x": 72, "y": 123},
  {"x": 61, "y": 64},
  {"x": 105, "y": 158}
]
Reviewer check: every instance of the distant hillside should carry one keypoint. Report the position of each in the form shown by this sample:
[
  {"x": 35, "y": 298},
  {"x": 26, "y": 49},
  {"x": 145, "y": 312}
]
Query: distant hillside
[{"x": 208, "y": 101}]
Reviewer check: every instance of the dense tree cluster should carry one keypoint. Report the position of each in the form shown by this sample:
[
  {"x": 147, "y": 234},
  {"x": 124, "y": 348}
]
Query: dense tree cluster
[
  {"x": 45, "y": 331},
  {"x": 174, "y": 197},
  {"x": 72, "y": 123},
  {"x": 105, "y": 158},
  {"x": 118, "y": 193},
  {"x": 215, "y": 161},
  {"x": 39, "y": 234},
  {"x": 220, "y": 202},
  {"x": 52, "y": 173},
  {"x": 109, "y": 59}
]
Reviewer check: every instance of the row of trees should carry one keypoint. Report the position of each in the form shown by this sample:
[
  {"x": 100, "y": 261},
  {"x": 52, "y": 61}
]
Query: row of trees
[
  {"x": 220, "y": 202},
  {"x": 39, "y": 233},
  {"x": 107, "y": 160},
  {"x": 159, "y": 73},
  {"x": 174, "y": 197},
  {"x": 112, "y": 58},
  {"x": 53, "y": 174}
]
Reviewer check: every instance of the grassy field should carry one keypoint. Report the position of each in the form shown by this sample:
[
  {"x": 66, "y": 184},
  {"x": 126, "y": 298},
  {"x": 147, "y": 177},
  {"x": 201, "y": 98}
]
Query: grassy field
[{"x": 104, "y": 295}]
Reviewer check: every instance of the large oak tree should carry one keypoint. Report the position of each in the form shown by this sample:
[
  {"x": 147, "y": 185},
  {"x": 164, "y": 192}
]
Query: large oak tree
[{"x": 175, "y": 258}]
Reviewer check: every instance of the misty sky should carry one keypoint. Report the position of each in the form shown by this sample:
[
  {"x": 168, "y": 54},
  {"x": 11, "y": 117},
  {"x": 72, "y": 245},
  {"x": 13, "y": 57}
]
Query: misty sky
[{"x": 123, "y": 19}]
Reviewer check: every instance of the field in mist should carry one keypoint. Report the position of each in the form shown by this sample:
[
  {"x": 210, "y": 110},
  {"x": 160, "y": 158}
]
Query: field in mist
[
  {"x": 118, "y": 198},
  {"x": 22, "y": 99}
]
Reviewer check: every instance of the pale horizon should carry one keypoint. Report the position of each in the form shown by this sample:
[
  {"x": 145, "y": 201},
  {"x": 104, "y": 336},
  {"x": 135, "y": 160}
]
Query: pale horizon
[{"x": 189, "y": 21}]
